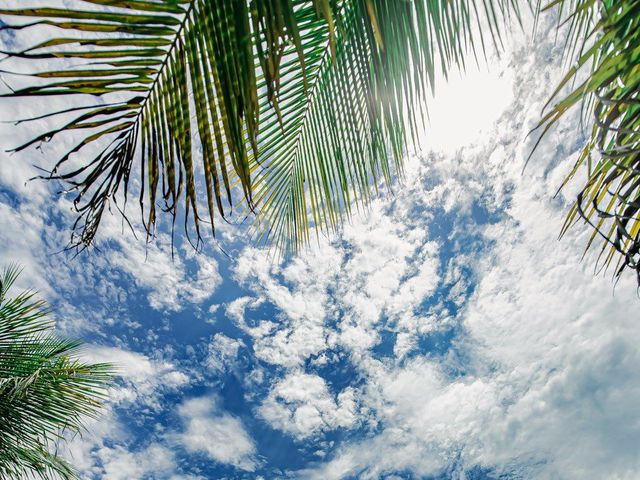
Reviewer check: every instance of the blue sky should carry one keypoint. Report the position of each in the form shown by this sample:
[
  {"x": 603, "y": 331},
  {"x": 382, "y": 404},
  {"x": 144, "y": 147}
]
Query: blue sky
[{"x": 445, "y": 333}]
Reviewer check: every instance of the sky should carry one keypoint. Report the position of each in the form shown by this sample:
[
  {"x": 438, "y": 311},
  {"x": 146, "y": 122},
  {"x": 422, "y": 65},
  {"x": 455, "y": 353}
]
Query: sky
[{"x": 446, "y": 333}]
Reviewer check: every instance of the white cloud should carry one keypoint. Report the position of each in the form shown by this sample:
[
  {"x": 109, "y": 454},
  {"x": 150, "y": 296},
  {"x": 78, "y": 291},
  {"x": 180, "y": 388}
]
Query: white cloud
[
  {"x": 219, "y": 435},
  {"x": 302, "y": 405},
  {"x": 299, "y": 291},
  {"x": 223, "y": 352},
  {"x": 167, "y": 278},
  {"x": 20, "y": 229},
  {"x": 550, "y": 355},
  {"x": 551, "y": 384},
  {"x": 337, "y": 295},
  {"x": 155, "y": 461},
  {"x": 143, "y": 377},
  {"x": 105, "y": 451},
  {"x": 486, "y": 93},
  {"x": 552, "y": 388},
  {"x": 81, "y": 450}
]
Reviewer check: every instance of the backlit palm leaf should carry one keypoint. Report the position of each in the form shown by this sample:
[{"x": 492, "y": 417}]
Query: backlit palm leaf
[
  {"x": 44, "y": 391},
  {"x": 606, "y": 35},
  {"x": 158, "y": 53},
  {"x": 349, "y": 128},
  {"x": 301, "y": 103}
]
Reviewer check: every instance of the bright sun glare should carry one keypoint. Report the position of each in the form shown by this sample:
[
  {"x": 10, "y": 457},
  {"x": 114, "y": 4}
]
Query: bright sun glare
[{"x": 466, "y": 105}]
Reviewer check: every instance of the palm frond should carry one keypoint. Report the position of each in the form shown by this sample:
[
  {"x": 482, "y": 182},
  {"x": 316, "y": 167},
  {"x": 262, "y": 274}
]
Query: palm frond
[
  {"x": 29, "y": 463},
  {"x": 45, "y": 392},
  {"x": 173, "y": 60},
  {"x": 300, "y": 105},
  {"x": 348, "y": 120},
  {"x": 606, "y": 35}
]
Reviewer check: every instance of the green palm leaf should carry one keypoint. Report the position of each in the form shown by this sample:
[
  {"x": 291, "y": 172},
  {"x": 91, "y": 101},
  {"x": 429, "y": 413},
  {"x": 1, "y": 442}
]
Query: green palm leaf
[
  {"x": 299, "y": 105},
  {"x": 350, "y": 128},
  {"x": 158, "y": 53},
  {"x": 45, "y": 392},
  {"x": 606, "y": 37}
]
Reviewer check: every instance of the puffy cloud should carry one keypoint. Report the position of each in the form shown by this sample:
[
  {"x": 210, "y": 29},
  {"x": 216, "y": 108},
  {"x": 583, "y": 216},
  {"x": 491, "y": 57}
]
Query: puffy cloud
[
  {"x": 20, "y": 236},
  {"x": 108, "y": 448},
  {"x": 219, "y": 435},
  {"x": 106, "y": 451},
  {"x": 547, "y": 350},
  {"x": 81, "y": 451},
  {"x": 302, "y": 405},
  {"x": 299, "y": 291},
  {"x": 552, "y": 385},
  {"x": 541, "y": 380},
  {"x": 337, "y": 295},
  {"x": 167, "y": 278},
  {"x": 154, "y": 461}
]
